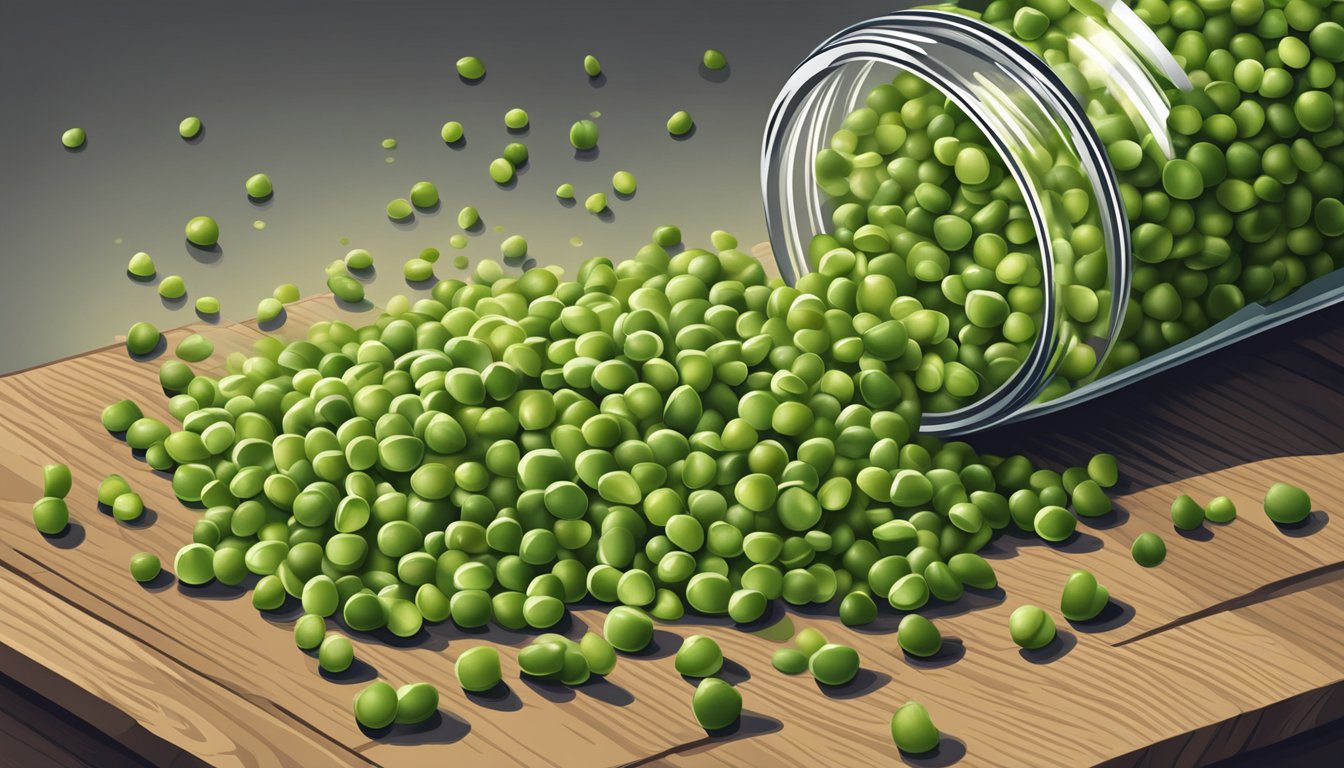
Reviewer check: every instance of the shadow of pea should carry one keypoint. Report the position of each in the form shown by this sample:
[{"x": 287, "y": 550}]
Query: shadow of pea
[
  {"x": 1114, "y": 615},
  {"x": 952, "y": 651},
  {"x": 602, "y": 689},
  {"x": 662, "y": 645},
  {"x": 71, "y": 537},
  {"x": 950, "y": 750},
  {"x": 1053, "y": 651},
  {"x": 1307, "y": 526},
  {"x": 204, "y": 254},
  {"x": 748, "y": 725},
  {"x": 357, "y": 672},
  {"x": 501, "y": 698},
  {"x": 554, "y": 692},
  {"x": 275, "y": 323},
  {"x": 159, "y": 583},
  {"x": 160, "y": 347},
  {"x": 442, "y": 727},
  {"x": 865, "y": 682}
]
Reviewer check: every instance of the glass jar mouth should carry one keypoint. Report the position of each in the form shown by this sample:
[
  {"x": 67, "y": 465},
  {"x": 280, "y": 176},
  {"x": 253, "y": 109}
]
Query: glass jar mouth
[{"x": 838, "y": 73}]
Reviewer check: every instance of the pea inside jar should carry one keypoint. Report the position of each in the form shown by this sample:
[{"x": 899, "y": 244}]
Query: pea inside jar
[{"x": 1225, "y": 156}]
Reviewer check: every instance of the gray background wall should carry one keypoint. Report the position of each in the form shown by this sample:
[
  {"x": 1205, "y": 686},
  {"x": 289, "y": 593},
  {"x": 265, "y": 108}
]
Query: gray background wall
[{"x": 305, "y": 91}]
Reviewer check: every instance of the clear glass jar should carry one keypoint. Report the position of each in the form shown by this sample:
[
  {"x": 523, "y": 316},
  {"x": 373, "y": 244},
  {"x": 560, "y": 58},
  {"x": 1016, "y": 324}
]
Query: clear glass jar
[{"x": 1034, "y": 116}]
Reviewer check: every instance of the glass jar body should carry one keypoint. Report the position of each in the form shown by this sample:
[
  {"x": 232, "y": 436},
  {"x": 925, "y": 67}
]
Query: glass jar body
[{"x": 1080, "y": 116}]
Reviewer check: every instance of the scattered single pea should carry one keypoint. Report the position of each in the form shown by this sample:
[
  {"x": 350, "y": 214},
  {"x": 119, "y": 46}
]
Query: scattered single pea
[
  {"x": 269, "y": 309},
  {"x": 565, "y": 191},
  {"x": 416, "y": 703},
  {"x": 623, "y": 182},
  {"x": 202, "y": 231},
  {"x": 424, "y": 195},
  {"x": 335, "y": 654},
  {"x": 667, "y": 236},
  {"x": 834, "y": 664},
  {"x": 141, "y": 266},
  {"x": 583, "y": 135},
  {"x": 460, "y": 261},
  {"x": 542, "y": 659},
  {"x": 50, "y": 515},
  {"x": 269, "y": 594},
  {"x": 194, "y": 564},
  {"x": 389, "y": 143},
  {"x": 714, "y": 60},
  {"x": 452, "y": 132},
  {"x": 399, "y": 209},
  {"x": 207, "y": 305},
  {"x": 119, "y": 416},
  {"x": 909, "y": 593},
  {"x": 1031, "y": 627},
  {"x": 172, "y": 287},
  {"x": 628, "y": 629},
  {"x": 513, "y": 247},
  {"x": 259, "y": 186},
  {"x": 189, "y": 127},
  {"x": 359, "y": 258},
  {"x": 1287, "y": 504},
  {"x": 470, "y": 68},
  {"x": 591, "y": 67},
  {"x": 912, "y": 729},
  {"x": 680, "y": 123},
  {"x": 145, "y": 567},
  {"x": 376, "y": 705},
  {"x": 468, "y": 217},
  {"x": 1083, "y": 598},
  {"x": 1148, "y": 550},
  {"x": 501, "y": 170},
  {"x": 56, "y": 480},
  {"x": 195, "y": 348},
  {"x": 809, "y": 641},
  {"x": 142, "y": 338},
  {"x": 73, "y": 138},
  {"x": 918, "y": 636},
  {"x": 516, "y": 119},
  {"x": 516, "y": 153},
  {"x": 596, "y": 203},
  {"x": 286, "y": 293},
  {"x": 1186, "y": 514},
  {"x": 789, "y": 661},
  {"x": 699, "y": 656},
  {"x": 417, "y": 270},
  {"x": 430, "y": 254},
  {"x": 478, "y": 668},
  {"x": 309, "y": 631},
  {"x": 1220, "y": 510},
  {"x": 858, "y": 609},
  {"x": 110, "y": 487},
  {"x": 1089, "y": 500},
  {"x": 458, "y": 241},
  {"x": 716, "y": 704},
  {"x": 1054, "y": 523}
]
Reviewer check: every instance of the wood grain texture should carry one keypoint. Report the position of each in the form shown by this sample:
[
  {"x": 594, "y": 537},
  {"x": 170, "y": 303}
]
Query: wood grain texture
[
  {"x": 1233, "y": 643},
  {"x": 37, "y": 733}
]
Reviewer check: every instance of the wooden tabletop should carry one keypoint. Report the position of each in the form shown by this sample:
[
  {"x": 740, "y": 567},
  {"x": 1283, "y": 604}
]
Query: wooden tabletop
[{"x": 1235, "y": 642}]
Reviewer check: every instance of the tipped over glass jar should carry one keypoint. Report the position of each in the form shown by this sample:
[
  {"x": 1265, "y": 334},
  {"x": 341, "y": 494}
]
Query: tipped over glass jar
[{"x": 1054, "y": 198}]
